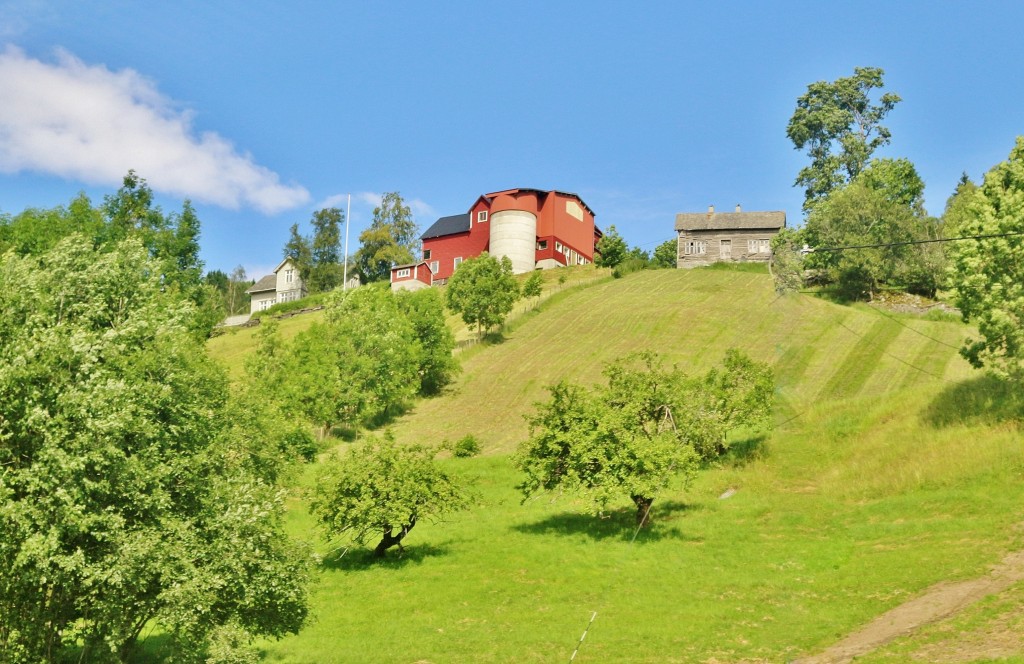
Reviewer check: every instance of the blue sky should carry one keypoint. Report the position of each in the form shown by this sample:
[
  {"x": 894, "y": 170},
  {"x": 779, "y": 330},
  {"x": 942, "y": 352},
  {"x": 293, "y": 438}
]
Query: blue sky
[{"x": 263, "y": 112}]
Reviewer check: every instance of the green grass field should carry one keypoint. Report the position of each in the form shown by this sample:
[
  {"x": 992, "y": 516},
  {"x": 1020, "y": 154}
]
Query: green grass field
[{"x": 892, "y": 466}]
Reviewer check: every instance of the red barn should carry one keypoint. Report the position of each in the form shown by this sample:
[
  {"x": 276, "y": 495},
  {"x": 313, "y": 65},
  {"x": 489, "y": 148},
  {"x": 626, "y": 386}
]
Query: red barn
[
  {"x": 411, "y": 277},
  {"x": 534, "y": 228}
]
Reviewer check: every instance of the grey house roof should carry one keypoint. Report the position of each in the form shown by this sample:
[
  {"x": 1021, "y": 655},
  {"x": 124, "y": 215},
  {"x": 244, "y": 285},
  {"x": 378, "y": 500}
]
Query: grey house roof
[
  {"x": 267, "y": 283},
  {"x": 456, "y": 223},
  {"x": 721, "y": 221}
]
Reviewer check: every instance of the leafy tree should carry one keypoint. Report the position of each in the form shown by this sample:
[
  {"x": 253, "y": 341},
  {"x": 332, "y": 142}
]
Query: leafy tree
[
  {"x": 647, "y": 427},
  {"x": 611, "y": 248},
  {"x": 987, "y": 273},
  {"x": 125, "y": 495},
  {"x": 666, "y": 254},
  {"x": 840, "y": 127},
  {"x": 325, "y": 248},
  {"x": 424, "y": 309},
  {"x": 390, "y": 240},
  {"x": 880, "y": 208},
  {"x": 483, "y": 291},
  {"x": 786, "y": 264},
  {"x": 299, "y": 249},
  {"x": 533, "y": 285},
  {"x": 380, "y": 489},
  {"x": 36, "y": 231}
]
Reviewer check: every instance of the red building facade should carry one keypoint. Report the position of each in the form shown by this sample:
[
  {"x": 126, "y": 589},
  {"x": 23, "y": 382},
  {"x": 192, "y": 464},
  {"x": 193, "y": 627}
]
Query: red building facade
[{"x": 534, "y": 228}]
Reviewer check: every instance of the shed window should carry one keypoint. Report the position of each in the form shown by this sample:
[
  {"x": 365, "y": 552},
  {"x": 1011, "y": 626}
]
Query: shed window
[{"x": 404, "y": 272}]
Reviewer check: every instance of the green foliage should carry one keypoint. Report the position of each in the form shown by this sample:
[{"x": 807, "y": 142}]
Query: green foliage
[
  {"x": 483, "y": 291},
  {"x": 628, "y": 266},
  {"x": 787, "y": 262},
  {"x": 879, "y": 207},
  {"x": 467, "y": 446},
  {"x": 840, "y": 127},
  {"x": 318, "y": 258},
  {"x": 988, "y": 273},
  {"x": 233, "y": 299},
  {"x": 533, "y": 285},
  {"x": 611, "y": 249},
  {"x": 125, "y": 494},
  {"x": 390, "y": 240},
  {"x": 372, "y": 354},
  {"x": 666, "y": 254},
  {"x": 424, "y": 309},
  {"x": 380, "y": 489},
  {"x": 647, "y": 427}
]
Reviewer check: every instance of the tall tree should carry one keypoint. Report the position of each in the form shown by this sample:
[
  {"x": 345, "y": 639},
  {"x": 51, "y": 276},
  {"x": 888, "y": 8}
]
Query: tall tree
[
  {"x": 840, "y": 127},
  {"x": 125, "y": 498},
  {"x": 390, "y": 240},
  {"x": 611, "y": 248},
  {"x": 666, "y": 254},
  {"x": 483, "y": 290},
  {"x": 325, "y": 250},
  {"x": 988, "y": 272},
  {"x": 300, "y": 250}
]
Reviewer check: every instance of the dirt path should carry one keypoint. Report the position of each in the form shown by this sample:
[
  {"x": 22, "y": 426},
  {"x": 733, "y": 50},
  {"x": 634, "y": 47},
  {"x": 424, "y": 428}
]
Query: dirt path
[{"x": 938, "y": 602}]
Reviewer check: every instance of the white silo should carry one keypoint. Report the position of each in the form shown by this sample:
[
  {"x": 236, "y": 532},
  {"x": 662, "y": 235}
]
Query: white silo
[{"x": 514, "y": 234}]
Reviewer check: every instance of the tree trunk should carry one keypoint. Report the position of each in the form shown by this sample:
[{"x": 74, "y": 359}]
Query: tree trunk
[
  {"x": 643, "y": 510},
  {"x": 389, "y": 540}
]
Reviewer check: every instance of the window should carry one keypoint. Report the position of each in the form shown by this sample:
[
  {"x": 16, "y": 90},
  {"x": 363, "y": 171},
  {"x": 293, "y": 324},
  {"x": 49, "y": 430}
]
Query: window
[
  {"x": 481, "y": 216},
  {"x": 725, "y": 249},
  {"x": 266, "y": 304},
  {"x": 404, "y": 272},
  {"x": 758, "y": 246},
  {"x": 457, "y": 262},
  {"x": 695, "y": 247},
  {"x": 559, "y": 247},
  {"x": 542, "y": 245},
  {"x": 288, "y": 276},
  {"x": 426, "y": 254},
  {"x": 435, "y": 266}
]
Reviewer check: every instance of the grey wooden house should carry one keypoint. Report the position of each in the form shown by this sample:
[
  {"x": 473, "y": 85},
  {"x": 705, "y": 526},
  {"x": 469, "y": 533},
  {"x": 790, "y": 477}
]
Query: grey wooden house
[{"x": 709, "y": 237}]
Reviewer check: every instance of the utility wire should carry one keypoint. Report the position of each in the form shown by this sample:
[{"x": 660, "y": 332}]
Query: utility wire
[{"x": 816, "y": 250}]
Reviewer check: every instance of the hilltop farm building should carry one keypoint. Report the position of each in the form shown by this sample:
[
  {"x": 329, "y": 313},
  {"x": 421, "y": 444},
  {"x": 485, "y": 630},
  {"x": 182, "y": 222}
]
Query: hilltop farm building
[
  {"x": 710, "y": 237},
  {"x": 534, "y": 228}
]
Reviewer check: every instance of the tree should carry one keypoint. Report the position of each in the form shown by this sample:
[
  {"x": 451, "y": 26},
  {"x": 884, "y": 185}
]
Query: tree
[
  {"x": 483, "y": 291},
  {"x": 840, "y": 128},
  {"x": 125, "y": 496},
  {"x": 533, "y": 285},
  {"x": 299, "y": 249},
  {"x": 424, "y": 309},
  {"x": 880, "y": 210},
  {"x": 380, "y": 489},
  {"x": 987, "y": 273},
  {"x": 390, "y": 240},
  {"x": 666, "y": 254},
  {"x": 647, "y": 428},
  {"x": 611, "y": 249},
  {"x": 325, "y": 250}
]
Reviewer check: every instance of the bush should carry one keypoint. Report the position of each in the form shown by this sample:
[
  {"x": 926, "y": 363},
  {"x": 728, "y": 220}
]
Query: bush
[
  {"x": 299, "y": 443},
  {"x": 629, "y": 266},
  {"x": 467, "y": 446}
]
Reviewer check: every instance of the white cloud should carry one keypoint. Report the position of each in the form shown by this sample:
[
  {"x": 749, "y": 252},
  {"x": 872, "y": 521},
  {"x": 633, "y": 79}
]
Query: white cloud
[{"x": 89, "y": 123}]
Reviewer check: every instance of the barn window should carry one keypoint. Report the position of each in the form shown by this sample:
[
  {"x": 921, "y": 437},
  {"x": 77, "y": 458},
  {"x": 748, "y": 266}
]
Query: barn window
[
  {"x": 481, "y": 216},
  {"x": 426, "y": 254},
  {"x": 457, "y": 262},
  {"x": 435, "y": 266},
  {"x": 542, "y": 245}
]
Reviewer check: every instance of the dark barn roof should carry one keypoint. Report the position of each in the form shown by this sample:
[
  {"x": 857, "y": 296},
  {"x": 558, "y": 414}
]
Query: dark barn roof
[
  {"x": 456, "y": 223},
  {"x": 722, "y": 221},
  {"x": 267, "y": 283}
]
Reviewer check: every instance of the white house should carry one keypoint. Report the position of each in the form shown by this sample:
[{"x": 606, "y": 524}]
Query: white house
[{"x": 284, "y": 285}]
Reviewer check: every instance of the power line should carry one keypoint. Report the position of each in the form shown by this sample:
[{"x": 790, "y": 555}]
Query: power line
[{"x": 909, "y": 242}]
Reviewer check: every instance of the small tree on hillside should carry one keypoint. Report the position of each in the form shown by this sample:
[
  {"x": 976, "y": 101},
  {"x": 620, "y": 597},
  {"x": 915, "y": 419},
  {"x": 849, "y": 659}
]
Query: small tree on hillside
[
  {"x": 648, "y": 427},
  {"x": 483, "y": 290},
  {"x": 390, "y": 240},
  {"x": 380, "y": 489},
  {"x": 666, "y": 254},
  {"x": 533, "y": 285}
]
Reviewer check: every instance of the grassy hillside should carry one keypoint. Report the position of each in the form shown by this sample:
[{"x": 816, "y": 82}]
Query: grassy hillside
[
  {"x": 820, "y": 350},
  {"x": 893, "y": 466}
]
